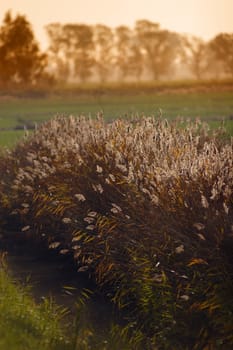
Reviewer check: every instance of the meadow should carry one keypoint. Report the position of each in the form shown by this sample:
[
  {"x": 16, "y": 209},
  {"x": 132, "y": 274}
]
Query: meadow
[{"x": 211, "y": 102}]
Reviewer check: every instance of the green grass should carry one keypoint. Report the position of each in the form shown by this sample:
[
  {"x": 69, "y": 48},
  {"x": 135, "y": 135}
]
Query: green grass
[
  {"x": 26, "y": 325},
  {"x": 211, "y": 106},
  {"x": 10, "y": 137}
]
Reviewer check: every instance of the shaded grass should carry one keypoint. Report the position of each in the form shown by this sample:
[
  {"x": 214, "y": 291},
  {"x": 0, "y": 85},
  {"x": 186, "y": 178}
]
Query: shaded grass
[{"x": 26, "y": 325}]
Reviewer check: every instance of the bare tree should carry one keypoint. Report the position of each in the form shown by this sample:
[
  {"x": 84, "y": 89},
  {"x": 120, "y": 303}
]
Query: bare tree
[
  {"x": 129, "y": 58},
  {"x": 79, "y": 48},
  {"x": 59, "y": 63},
  {"x": 159, "y": 47},
  {"x": 104, "y": 46},
  {"x": 196, "y": 56},
  {"x": 222, "y": 48}
]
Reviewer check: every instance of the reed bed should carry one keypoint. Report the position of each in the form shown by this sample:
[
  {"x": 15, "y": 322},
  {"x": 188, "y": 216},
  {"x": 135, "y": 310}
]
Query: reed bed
[{"x": 144, "y": 207}]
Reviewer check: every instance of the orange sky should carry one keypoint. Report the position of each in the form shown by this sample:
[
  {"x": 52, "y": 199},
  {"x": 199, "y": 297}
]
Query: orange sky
[{"x": 203, "y": 18}]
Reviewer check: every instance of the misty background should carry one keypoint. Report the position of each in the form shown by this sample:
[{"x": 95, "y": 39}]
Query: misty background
[{"x": 79, "y": 52}]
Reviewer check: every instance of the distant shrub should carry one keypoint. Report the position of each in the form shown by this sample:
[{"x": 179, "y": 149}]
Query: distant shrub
[{"x": 145, "y": 207}]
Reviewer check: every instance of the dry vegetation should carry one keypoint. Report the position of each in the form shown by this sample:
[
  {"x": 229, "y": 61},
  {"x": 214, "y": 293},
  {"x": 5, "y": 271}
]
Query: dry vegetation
[{"x": 143, "y": 206}]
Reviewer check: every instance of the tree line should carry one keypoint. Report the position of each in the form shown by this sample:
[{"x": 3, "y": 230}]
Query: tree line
[{"x": 82, "y": 52}]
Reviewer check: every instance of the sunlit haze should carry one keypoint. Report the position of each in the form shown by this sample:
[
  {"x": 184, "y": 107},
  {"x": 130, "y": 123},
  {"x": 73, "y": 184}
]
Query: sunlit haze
[{"x": 204, "y": 18}]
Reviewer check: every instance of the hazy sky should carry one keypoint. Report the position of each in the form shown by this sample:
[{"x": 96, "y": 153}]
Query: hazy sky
[{"x": 203, "y": 18}]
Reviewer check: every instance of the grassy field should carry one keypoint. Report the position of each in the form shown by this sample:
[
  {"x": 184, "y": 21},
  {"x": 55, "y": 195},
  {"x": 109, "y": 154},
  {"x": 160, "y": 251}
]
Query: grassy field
[
  {"x": 211, "y": 106},
  {"x": 9, "y": 137}
]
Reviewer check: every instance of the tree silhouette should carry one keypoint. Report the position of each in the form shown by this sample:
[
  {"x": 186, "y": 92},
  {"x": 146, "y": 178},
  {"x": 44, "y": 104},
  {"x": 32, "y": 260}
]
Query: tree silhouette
[
  {"x": 123, "y": 38},
  {"x": 20, "y": 57},
  {"x": 59, "y": 63},
  {"x": 79, "y": 48},
  {"x": 129, "y": 58},
  {"x": 160, "y": 47},
  {"x": 197, "y": 55},
  {"x": 82, "y": 51},
  {"x": 104, "y": 44},
  {"x": 222, "y": 47}
]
